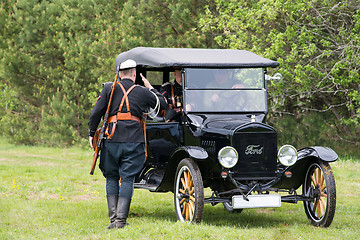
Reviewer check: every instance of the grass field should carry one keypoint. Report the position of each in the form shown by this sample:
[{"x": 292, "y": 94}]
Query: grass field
[{"x": 47, "y": 193}]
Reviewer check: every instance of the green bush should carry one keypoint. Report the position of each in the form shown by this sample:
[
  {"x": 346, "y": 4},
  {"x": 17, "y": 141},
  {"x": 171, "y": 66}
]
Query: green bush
[{"x": 313, "y": 129}]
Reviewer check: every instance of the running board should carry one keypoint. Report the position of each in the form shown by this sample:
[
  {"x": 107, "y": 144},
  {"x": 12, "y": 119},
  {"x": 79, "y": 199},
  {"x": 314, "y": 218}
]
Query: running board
[{"x": 151, "y": 188}]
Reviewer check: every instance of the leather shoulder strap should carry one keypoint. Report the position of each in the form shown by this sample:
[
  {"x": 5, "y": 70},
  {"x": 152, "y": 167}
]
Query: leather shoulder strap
[
  {"x": 125, "y": 97},
  {"x": 172, "y": 94}
]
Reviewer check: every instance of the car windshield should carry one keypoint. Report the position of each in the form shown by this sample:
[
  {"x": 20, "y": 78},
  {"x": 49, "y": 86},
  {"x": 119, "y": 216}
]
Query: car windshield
[{"x": 225, "y": 90}]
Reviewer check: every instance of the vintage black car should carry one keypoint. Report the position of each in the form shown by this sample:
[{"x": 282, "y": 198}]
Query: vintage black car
[{"x": 220, "y": 139}]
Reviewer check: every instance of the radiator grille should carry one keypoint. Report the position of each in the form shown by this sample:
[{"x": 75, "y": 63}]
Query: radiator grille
[{"x": 257, "y": 155}]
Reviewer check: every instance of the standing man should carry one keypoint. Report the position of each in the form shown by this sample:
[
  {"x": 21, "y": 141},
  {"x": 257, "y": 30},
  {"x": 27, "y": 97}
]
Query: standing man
[{"x": 123, "y": 153}]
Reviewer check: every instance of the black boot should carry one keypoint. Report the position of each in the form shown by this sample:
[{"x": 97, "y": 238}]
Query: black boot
[
  {"x": 122, "y": 212},
  {"x": 112, "y": 201}
]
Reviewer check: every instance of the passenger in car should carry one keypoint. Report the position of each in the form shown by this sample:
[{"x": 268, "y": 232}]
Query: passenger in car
[{"x": 172, "y": 91}]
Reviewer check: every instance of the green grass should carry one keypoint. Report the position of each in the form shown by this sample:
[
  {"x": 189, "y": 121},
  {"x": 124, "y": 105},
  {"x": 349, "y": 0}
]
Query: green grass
[{"x": 47, "y": 193}]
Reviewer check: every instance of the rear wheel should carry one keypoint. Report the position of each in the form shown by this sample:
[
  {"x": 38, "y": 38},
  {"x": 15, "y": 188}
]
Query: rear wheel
[
  {"x": 189, "y": 192},
  {"x": 320, "y": 184}
]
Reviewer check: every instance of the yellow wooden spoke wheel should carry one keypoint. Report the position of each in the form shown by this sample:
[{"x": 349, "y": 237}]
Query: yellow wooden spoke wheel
[
  {"x": 320, "y": 186},
  {"x": 189, "y": 192}
]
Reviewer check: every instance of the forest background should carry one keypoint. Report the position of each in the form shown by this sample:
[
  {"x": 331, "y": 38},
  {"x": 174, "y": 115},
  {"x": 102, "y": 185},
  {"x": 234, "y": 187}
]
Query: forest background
[{"x": 54, "y": 56}]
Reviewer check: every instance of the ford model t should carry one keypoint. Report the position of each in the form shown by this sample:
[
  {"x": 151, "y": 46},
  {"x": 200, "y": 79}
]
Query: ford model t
[{"x": 219, "y": 139}]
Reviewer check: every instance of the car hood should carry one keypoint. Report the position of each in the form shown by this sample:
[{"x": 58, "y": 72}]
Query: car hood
[{"x": 227, "y": 124}]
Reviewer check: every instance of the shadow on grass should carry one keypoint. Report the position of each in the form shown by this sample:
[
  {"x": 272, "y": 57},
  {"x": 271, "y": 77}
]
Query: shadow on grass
[{"x": 218, "y": 216}]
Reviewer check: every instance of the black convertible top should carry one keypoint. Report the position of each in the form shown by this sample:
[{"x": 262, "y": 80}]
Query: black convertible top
[{"x": 193, "y": 57}]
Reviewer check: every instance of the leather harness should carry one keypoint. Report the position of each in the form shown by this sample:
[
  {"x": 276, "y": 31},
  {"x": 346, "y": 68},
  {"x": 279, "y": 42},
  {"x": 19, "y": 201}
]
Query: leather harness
[
  {"x": 176, "y": 105},
  {"x": 123, "y": 116},
  {"x": 173, "y": 95}
]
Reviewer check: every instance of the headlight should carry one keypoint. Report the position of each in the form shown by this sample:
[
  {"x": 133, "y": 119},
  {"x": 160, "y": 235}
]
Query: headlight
[
  {"x": 228, "y": 157},
  {"x": 287, "y": 155}
]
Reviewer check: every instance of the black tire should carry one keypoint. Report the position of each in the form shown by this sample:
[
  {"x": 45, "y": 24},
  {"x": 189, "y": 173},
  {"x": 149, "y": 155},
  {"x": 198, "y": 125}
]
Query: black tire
[
  {"x": 188, "y": 192},
  {"x": 320, "y": 183},
  {"x": 228, "y": 207}
]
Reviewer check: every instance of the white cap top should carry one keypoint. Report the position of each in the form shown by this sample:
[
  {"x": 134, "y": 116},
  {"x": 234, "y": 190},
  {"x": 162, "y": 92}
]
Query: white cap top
[{"x": 127, "y": 64}]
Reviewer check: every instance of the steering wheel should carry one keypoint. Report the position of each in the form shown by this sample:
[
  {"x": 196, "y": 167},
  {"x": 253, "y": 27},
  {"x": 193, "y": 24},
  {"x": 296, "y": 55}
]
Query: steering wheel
[{"x": 231, "y": 98}]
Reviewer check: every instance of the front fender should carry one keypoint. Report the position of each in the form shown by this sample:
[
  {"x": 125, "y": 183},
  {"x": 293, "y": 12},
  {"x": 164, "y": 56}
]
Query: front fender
[
  {"x": 324, "y": 153},
  {"x": 305, "y": 157},
  {"x": 195, "y": 152}
]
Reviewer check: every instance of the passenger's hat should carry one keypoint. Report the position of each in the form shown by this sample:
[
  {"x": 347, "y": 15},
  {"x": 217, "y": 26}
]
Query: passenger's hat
[{"x": 127, "y": 65}]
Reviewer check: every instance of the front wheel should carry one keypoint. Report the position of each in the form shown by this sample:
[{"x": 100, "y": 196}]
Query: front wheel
[
  {"x": 320, "y": 184},
  {"x": 189, "y": 192}
]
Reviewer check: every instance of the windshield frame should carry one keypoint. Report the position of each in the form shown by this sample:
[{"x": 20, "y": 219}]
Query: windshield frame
[{"x": 259, "y": 89}]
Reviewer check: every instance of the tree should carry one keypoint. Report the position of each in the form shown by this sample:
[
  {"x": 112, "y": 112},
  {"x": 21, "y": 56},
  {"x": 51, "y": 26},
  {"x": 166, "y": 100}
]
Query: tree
[
  {"x": 158, "y": 23},
  {"x": 54, "y": 56},
  {"x": 316, "y": 43},
  {"x": 50, "y": 54}
]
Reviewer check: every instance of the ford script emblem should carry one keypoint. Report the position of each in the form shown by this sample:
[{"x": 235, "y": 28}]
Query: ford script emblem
[{"x": 254, "y": 149}]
